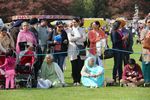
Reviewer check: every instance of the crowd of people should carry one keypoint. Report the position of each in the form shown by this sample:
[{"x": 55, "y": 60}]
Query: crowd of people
[{"x": 45, "y": 48}]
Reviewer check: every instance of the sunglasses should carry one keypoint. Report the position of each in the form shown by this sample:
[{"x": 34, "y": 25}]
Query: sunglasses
[
  {"x": 148, "y": 22},
  {"x": 60, "y": 26}
]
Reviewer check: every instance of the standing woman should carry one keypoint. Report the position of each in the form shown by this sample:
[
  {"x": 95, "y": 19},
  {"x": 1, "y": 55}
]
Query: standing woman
[
  {"x": 117, "y": 43},
  {"x": 76, "y": 36},
  {"x": 6, "y": 42},
  {"x": 60, "y": 40},
  {"x": 25, "y": 36},
  {"x": 97, "y": 40},
  {"x": 145, "y": 33}
]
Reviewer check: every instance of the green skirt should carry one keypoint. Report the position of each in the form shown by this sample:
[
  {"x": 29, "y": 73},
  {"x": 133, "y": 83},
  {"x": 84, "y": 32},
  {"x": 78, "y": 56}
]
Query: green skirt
[{"x": 146, "y": 71}]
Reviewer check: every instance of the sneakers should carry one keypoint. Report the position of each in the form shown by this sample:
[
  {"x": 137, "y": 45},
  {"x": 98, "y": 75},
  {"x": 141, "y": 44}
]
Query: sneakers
[
  {"x": 131, "y": 85},
  {"x": 64, "y": 85},
  {"x": 76, "y": 84},
  {"x": 123, "y": 85},
  {"x": 93, "y": 87},
  {"x": 146, "y": 84}
]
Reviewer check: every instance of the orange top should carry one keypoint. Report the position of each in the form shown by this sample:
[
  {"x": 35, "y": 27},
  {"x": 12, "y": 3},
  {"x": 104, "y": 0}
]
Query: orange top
[{"x": 92, "y": 36}]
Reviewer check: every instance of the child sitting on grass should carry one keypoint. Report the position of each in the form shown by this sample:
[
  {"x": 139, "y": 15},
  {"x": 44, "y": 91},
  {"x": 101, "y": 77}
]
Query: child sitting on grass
[{"x": 132, "y": 75}]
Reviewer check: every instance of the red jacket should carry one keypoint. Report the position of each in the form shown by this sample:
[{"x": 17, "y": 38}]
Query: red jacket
[
  {"x": 28, "y": 58},
  {"x": 92, "y": 38},
  {"x": 135, "y": 72}
]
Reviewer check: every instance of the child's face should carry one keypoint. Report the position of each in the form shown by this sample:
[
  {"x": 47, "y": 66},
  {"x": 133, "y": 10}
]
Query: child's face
[
  {"x": 30, "y": 48},
  {"x": 132, "y": 66}
]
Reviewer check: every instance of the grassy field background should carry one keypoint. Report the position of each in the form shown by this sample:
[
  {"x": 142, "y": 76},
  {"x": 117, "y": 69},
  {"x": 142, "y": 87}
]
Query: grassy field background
[{"x": 82, "y": 93}]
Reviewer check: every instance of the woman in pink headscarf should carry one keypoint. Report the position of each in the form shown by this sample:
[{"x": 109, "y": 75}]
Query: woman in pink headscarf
[{"x": 25, "y": 36}]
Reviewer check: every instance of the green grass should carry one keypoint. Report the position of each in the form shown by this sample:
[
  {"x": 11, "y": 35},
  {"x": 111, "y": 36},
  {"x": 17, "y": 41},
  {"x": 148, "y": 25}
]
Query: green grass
[{"x": 82, "y": 93}]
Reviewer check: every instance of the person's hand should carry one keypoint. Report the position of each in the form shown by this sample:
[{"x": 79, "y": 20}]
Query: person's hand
[
  {"x": 55, "y": 42},
  {"x": 98, "y": 38},
  {"x": 93, "y": 75},
  {"x": 129, "y": 78},
  {"x": 124, "y": 38},
  {"x": 134, "y": 79},
  {"x": 65, "y": 41}
]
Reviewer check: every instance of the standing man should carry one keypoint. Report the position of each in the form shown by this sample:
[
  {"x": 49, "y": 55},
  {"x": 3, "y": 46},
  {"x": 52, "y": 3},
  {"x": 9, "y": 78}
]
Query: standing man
[{"x": 43, "y": 35}]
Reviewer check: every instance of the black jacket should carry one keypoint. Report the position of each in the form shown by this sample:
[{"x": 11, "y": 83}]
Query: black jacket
[
  {"x": 64, "y": 46},
  {"x": 116, "y": 39}
]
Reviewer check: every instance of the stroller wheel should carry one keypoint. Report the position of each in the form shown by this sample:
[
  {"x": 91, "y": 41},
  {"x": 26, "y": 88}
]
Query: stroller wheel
[
  {"x": 1, "y": 86},
  {"x": 29, "y": 82}
]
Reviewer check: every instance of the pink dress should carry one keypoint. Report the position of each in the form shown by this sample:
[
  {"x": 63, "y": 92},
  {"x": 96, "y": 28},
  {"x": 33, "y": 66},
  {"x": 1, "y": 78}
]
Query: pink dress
[{"x": 9, "y": 67}]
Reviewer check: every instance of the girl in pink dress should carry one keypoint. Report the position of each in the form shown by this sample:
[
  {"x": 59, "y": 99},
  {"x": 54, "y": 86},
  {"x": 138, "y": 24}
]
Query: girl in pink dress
[{"x": 9, "y": 67}]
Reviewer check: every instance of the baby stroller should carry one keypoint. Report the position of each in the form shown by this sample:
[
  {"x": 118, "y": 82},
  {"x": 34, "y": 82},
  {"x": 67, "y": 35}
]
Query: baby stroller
[{"x": 24, "y": 69}]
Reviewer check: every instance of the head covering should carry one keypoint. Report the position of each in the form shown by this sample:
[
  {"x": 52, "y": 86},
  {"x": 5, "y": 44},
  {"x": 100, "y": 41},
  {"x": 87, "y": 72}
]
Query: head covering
[
  {"x": 123, "y": 23},
  {"x": 33, "y": 21},
  {"x": 87, "y": 61},
  {"x": 18, "y": 23},
  {"x": 122, "y": 20}
]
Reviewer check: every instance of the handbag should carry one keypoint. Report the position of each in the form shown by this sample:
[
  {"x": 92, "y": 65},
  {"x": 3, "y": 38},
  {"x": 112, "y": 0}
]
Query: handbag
[
  {"x": 81, "y": 49},
  {"x": 108, "y": 53}
]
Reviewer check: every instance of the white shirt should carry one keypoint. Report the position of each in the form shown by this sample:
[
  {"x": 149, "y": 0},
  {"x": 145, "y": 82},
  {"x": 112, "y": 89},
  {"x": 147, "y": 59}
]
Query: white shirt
[{"x": 75, "y": 35}]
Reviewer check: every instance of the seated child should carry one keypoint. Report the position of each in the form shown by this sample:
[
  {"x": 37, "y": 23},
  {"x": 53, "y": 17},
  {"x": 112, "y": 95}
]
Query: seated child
[
  {"x": 132, "y": 75},
  {"x": 27, "y": 57}
]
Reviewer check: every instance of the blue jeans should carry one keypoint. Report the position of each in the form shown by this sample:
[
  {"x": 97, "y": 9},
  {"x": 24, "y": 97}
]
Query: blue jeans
[{"x": 59, "y": 59}]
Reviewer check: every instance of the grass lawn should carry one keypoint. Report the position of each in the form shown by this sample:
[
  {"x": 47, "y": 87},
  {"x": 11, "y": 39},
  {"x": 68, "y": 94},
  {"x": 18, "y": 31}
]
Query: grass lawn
[{"x": 82, "y": 93}]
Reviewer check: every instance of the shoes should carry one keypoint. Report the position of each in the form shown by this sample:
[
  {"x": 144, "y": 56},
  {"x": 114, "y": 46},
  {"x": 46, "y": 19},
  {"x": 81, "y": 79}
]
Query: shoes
[
  {"x": 123, "y": 85},
  {"x": 131, "y": 85},
  {"x": 93, "y": 87},
  {"x": 64, "y": 85},
  {"x": 146, "y": 84},
  {"x": 76, "y": 84},
  {"x": 146, "y": 62}
]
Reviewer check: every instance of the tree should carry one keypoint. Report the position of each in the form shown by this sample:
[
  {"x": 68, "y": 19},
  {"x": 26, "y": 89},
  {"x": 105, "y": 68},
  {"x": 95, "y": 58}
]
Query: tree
[
  {"x": 99, "y": 8},
  {"x": 77, "y": 8}
]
